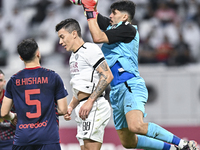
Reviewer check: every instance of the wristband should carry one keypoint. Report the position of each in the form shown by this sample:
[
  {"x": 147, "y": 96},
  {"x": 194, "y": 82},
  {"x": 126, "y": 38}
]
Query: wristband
[
  {"x": 12, "y": 116},
  {"x": 91, "y": 14}
]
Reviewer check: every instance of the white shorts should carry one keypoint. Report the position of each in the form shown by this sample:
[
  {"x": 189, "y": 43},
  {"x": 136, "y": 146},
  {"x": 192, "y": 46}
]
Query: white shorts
[{"x": 93, "y": 127}]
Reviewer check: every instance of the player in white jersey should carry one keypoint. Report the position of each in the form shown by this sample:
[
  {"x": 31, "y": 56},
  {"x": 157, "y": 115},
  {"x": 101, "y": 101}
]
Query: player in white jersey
[{"x": 90, "y": 75}]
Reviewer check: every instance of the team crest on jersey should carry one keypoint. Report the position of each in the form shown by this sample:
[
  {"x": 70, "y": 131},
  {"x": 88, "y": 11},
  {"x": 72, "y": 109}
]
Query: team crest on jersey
[{"x": 76, "y": 56}]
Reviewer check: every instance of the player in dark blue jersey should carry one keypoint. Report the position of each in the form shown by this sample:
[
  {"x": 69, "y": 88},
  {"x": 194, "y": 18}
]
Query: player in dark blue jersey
[
  {"x": 7, "y": 129},
  {"x": 34, "y": 91}
]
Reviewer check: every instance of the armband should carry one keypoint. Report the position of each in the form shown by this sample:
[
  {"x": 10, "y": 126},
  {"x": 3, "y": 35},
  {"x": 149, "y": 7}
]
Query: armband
[{"x": 91, "y": 14}]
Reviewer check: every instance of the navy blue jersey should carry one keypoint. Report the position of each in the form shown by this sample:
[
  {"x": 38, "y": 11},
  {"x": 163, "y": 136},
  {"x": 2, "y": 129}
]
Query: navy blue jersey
[{"x": 34, "y": 92}]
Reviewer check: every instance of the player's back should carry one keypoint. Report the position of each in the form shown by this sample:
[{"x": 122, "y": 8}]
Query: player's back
[{"x": 33, "y": 92}]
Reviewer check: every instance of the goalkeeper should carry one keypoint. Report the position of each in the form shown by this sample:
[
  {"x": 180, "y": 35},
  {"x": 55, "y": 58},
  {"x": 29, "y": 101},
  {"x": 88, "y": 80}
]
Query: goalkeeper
[{"x": 128, "y": 94}]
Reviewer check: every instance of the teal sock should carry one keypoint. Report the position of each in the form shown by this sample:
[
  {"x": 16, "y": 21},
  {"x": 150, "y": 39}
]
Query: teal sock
[
  {"x": 145, "y": 142},
  {"x": 155, "y": 131}
]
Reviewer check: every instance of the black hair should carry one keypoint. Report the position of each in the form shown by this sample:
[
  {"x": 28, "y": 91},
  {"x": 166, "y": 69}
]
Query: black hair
[
  {"x": 69, "y": 25},
  {"x": 126, "y": 6},
  {"x": 1, "y": 72},
  {"x": 27, "y": 49}
]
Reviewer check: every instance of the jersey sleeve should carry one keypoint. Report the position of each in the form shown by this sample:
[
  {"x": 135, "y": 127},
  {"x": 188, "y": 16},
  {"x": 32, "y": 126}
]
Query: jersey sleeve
[
  {"x": 103, "y": 22},
  {"x": 123, "y": 33},
  {"x": 94, "y": 56},
  {"x": 61, "y": 91},
  {"x": 8, "y": 92}
]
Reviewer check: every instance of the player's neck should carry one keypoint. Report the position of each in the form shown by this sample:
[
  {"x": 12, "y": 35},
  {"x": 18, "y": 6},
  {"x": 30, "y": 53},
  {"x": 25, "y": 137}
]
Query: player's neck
[
  {"x": 32, "y": 64},
  {"x": 78, "y": 44}
]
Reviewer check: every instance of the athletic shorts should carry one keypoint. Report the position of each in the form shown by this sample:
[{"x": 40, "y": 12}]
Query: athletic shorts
[
  {"x": 55, "y": 146},
  {"x": 126, "y": 97},
  {"x": 93, "y": 127}
]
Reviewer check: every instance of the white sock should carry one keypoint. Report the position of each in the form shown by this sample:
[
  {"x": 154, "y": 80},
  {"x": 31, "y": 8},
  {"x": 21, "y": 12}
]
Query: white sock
[
  {"x": 182, "y": 143},
  {"x": 173, "y": 147}
]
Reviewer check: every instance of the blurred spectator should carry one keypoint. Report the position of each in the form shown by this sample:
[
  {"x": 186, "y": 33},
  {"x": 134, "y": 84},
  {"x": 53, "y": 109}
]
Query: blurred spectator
[
  {"x": 46, "y": 35},
  {"x": 196, "y": 16},
  {"x": 3, "y": 55},
  {"x": 191, "y": 35},
  {"x": 10, "y": 38},
  {"x": 0, "y": 5},
  {"x": 166, "y": 14},
  {"x": 173, "y": 4},
  {"x": 164, "y": 51},
  {"x": 191, "y": 9},
  {"x": 2, "y": 22},
  {"x": 153, "y": 4},
  {"x": 7, "y": 7},
  {"x": 41, "y": 7},
  {"x": 19, "y": 23},
  {"x": 169, "y": 20},
  {"x": 181, "y": 54},
  {"x": 12, "y": 29},
  {"x": 156, "y": 20},
  {"x": 146, "y": 52}
]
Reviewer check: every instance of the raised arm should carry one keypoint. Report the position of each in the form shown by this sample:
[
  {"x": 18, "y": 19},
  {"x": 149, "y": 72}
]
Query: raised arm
[{"x": 98, "y": 35}]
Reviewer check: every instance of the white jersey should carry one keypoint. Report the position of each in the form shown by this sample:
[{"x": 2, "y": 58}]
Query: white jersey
[{"x": 83, "y": 63}]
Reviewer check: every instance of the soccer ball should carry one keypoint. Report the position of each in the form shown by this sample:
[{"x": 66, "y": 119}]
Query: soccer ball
[{"x": 76, "y": 2}]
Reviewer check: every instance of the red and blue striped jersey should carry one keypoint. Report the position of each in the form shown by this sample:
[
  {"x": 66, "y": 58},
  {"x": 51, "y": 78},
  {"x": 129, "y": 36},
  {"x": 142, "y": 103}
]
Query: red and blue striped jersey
[{"x": 7, "y": 130}]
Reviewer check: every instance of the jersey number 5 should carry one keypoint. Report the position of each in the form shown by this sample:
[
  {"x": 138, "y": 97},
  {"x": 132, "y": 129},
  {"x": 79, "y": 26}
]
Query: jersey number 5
[{"x": 33, "y": 102}]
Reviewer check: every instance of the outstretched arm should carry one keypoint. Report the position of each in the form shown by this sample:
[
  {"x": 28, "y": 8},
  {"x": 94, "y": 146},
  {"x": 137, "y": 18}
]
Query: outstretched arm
[{"x": 74, "y": 102}]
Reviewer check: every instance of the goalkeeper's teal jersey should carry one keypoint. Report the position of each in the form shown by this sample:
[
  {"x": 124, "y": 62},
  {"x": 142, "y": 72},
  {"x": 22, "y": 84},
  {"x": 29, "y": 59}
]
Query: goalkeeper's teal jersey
[{"x": 125, "y": 53}]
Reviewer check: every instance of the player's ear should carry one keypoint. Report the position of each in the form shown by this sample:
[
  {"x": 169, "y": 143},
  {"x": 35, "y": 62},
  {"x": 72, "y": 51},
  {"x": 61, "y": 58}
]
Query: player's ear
[
  {"x": 21, "y": 58},
  {"x": 74, "y": 33},
  {"x": 125, "y": 17},
  {"x": 38, "y": 53}
]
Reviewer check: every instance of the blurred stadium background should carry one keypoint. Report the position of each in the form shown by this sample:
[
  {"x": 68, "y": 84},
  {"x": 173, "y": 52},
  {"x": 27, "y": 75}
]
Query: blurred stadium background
[{"x": 169, "y": 57}]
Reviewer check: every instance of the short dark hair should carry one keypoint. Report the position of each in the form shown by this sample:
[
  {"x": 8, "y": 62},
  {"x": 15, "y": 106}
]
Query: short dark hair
[
  {"x": 124, "y": 5},
  {"x": 69, "y": 25},
  {"x": 27, "y": 49},
  {"x": 1, "y": 72}
]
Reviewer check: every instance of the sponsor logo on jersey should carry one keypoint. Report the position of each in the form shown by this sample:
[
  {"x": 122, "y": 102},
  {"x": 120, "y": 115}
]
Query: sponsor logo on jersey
[
  {"x": 33, "y": 125},
  {"x": 74, "y": 67}
]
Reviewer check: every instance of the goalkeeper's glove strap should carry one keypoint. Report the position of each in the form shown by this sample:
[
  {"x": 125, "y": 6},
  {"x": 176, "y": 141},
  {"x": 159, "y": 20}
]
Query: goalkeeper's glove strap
[{"x": 91, "y": 14}]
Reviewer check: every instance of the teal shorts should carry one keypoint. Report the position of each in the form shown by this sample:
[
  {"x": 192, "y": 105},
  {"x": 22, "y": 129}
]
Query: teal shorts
[{"x": 124, "y": 100}]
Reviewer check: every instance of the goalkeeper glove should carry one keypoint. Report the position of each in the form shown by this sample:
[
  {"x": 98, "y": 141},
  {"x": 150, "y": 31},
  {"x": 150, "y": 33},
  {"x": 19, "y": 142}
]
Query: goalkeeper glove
[
  {"x": 90, "y": 8},
  {"x": 89, "y": 5}
]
